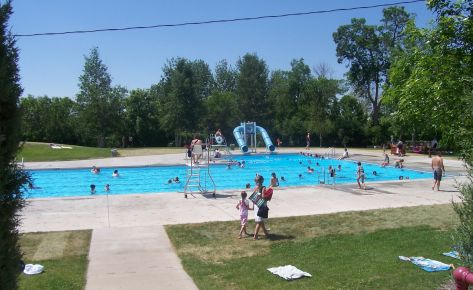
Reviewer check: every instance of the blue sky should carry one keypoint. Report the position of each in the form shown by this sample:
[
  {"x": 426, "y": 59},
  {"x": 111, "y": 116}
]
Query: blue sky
[{"x": 51, "y": 65}]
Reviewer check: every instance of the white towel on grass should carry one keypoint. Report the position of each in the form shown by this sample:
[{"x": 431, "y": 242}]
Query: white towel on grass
[
  {"x": 33, "y": 269},
  {"x": 288, "y": 272}
]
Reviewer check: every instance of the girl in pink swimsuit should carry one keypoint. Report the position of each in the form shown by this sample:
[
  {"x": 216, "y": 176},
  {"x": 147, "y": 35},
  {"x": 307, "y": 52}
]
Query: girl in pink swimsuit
[{"x": 243, "y": 205}]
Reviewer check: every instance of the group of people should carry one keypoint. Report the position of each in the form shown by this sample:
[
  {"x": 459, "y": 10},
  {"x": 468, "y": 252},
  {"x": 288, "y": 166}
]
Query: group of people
[
  {"x": 174, "y": 180},
  {"x": 93, "y": 187},
  {"x": 96, "y": 170},
  {"x": 261, "y": 196},
  {"x": 241, "y": 164}
]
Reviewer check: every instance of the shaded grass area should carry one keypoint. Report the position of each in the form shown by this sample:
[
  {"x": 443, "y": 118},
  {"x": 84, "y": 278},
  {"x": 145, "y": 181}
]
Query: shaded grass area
[
  {"x": 353, "y": 250},
  {"x": 63, "y": 255},
  {"x": 33, "y": 152}
]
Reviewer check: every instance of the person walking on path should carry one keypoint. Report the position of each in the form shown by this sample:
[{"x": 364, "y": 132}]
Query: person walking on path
[
  {"x": 243, "y": 206},
  {"x": 439, "y": 170},
  {"x": 307, "y": 141},
  {"x": 261, "y": 213}
]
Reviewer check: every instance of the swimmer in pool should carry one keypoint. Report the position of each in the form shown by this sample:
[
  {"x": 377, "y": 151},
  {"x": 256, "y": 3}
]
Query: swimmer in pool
[
  {"x": 176, "y": 179},
  {"x": 115, "y": 173},
  {"x": 92, "y": 189},
  {"x": 107, "y": 187}
]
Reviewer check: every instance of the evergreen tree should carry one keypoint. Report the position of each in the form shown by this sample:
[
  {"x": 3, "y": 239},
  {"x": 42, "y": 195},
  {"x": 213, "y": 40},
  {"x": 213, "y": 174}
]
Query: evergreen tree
[
  {"x": 100, "y": 105},
  {"x": 11, "y": 176},
  {"x": 252, "y": 89},
  {"x": 225, "y": 77},
  {"x": 178, "y": 98}
]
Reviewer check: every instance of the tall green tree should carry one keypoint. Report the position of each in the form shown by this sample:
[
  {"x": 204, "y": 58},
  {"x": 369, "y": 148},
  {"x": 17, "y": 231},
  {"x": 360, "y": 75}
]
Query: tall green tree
[
  {"x": 368, "y": 50},
  {"x": 287, "y": 93},
  {"x": 252, "y": 89},
  {"x": 350, "y": 121},
  {"x": 100, "y": 105},
  {"x": 142, "y": 119},
  {"x": 225, "y": 77},
  {"x": 11, "y": 175},
  {"x": 202, "y": 78},
  {"x": 222, "y": 113},
  {"x": 179, "y": 98},
  {"x": 321, "y": 96},
  {"x": 431, "y": 82}
]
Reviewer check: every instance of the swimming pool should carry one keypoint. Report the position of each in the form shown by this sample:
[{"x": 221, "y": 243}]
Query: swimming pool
[{"x": 76, "y": 182}]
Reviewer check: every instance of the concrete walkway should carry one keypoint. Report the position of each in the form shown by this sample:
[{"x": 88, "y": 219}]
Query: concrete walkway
[
  {"x": 134, "y": 258},
  {"x": 130, "y": 250}
]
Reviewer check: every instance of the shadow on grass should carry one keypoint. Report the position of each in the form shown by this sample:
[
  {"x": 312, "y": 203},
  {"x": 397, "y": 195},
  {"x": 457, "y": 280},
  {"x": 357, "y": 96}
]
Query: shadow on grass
[{"x": 279, "y": 237}]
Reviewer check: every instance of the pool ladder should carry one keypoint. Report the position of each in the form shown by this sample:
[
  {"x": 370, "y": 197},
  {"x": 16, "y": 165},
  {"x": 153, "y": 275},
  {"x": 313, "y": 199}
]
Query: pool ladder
[
  {"x": 330, "y": 152},
  {"x": 323, "y": 177}
]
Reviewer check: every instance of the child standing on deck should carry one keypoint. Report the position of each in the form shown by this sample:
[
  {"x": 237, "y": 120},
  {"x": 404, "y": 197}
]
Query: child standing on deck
[
  {"x": 243, "y": 205},
  {"x": 360, "y": 173}
]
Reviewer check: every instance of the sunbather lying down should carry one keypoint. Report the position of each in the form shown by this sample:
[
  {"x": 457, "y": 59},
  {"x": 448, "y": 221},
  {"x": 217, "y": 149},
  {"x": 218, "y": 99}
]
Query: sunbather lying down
[{"x": 56, "y": 146}]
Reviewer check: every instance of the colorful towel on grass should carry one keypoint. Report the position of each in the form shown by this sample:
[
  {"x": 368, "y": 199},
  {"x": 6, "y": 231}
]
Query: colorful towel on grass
[
  {"x": 453, "y": 254},
  {"x": 288, "y": 272},
  {"x": 427, "y": 264}
]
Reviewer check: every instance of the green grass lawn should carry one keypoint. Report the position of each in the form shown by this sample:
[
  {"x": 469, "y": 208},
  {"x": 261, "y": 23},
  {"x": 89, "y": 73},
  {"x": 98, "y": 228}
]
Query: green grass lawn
[
  {"x": 63, "y": 255},
  {"x": 34, "y": 151},
  {"x": 353, "y": 250}
]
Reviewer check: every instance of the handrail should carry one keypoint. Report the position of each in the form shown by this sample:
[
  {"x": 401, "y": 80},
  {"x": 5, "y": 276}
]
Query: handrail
[{"x": 330, "y": 152}]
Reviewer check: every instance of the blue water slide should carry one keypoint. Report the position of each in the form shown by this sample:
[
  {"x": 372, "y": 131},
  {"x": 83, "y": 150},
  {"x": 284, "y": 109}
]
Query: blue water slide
[
  {"x": 238, "y": 133},
  {"x": 266, "y": 139}
]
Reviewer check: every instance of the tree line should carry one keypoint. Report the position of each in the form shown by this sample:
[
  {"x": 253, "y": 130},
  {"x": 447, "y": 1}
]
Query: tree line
[{"x": 190, "y": 98}]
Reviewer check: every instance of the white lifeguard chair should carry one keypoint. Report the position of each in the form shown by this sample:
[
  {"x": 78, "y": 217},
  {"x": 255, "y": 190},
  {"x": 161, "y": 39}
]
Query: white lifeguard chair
[{"x": 219, "y": 142}]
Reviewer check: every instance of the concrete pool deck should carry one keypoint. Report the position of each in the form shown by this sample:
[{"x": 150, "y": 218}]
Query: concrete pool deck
[{"x": 130, "y": 250}]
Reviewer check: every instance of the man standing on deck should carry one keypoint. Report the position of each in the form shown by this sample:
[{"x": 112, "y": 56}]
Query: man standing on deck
[{"x": 439, "y": 170}]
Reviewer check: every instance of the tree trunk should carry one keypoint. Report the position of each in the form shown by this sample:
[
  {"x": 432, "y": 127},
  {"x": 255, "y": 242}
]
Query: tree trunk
[
  {"x": 100, "y": 141},
  {"x": 375, "y": 113}
]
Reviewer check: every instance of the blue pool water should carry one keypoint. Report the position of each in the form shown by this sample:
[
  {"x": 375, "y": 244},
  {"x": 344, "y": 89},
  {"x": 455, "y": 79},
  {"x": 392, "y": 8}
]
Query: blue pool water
[{"x": 76, "y": 182}]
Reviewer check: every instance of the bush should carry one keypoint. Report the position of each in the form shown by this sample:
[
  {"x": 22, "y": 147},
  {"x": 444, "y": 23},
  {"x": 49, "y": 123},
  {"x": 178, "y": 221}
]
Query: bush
[{"x": 464, "y": 232}]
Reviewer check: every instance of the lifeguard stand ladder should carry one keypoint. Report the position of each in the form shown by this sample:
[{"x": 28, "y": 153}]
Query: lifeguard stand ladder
[
  {"x": 250, "y": 132},
  {"x": 199, "y": 179}
]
